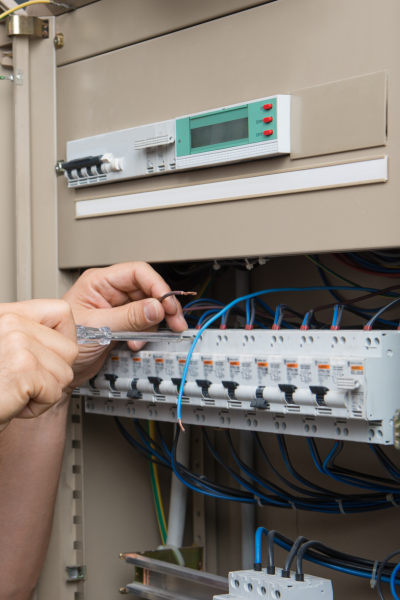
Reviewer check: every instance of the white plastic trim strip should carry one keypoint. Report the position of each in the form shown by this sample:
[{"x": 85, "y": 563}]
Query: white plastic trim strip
[{"x": 348, "y": 174}]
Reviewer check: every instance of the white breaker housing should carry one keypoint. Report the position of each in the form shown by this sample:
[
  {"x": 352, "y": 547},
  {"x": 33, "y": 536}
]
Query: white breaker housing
[
  {"x": 254, "y": 585},
  {"x": 328, "y": 384}
]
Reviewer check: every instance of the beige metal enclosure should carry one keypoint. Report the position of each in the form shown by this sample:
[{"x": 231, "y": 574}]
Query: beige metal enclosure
[{"x": 126, "y": 63}]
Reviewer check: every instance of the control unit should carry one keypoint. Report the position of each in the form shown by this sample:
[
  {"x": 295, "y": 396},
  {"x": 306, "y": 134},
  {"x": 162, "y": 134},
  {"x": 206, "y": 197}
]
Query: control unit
[{"x": 233, "y": 133}]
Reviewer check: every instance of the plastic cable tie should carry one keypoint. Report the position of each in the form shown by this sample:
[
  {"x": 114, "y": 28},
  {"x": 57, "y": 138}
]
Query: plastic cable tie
[
  {"x": 292, "y": 504},
  {"x": 341, "y": 506},
  {"x": 373, "y": 576},
  {"x": 259, "y": 501},
  {"x": 390, "y": 498},
  {"x": 216, "y": 266}
]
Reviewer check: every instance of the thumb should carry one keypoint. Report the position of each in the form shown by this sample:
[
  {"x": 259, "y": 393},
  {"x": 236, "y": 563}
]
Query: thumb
[{"x": 135, "y": 316}]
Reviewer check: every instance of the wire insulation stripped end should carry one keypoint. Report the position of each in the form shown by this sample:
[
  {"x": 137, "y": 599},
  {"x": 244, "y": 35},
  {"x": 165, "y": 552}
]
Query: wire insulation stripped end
[
  {"x": 181, "y": 426},
  {"x": 176, "y": 294}
]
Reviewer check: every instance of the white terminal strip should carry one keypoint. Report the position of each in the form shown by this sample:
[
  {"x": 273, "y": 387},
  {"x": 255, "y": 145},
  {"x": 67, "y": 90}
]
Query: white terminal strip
[{"x": 328, "y": 384}]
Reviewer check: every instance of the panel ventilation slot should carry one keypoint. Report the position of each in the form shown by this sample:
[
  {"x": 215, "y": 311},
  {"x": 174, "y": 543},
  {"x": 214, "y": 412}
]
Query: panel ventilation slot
[
  {"x": 185, "y": 400},
  {"x": 161, "y": 140},
  {"x": 86, "y": 181},
  {"x": 209, "y": 402},
  {"x": 116, "y": 394},
  {"x": 159, "y": 398},
  {"x": 292, "y": 409},
  {"x": 357, "y": 414},
  {"x": 234, "y": 404},
  {"x": 324, "y": 411}
]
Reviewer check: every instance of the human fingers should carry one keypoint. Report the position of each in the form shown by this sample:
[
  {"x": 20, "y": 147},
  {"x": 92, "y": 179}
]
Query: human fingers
[
  {"x": 115, "y": 285},
  {"x": 49, "y": 360},
  {"x": 55, "y": 314},
  {"x": 27, "y": 388},
  {"x": 56, "y": 342}
]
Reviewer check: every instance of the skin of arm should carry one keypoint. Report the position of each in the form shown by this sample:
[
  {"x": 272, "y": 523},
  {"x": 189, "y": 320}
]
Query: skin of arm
[{"x": 121, "y": 297}]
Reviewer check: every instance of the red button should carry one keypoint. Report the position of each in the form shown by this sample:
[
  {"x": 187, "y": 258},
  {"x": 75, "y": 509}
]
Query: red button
[
  {"x": 269, "y": 132},
  {"x": 268, "y": 119},
  {"x": 268, "y": 106}
]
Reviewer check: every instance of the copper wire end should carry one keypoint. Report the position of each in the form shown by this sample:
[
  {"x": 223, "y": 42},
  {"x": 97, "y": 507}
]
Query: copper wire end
[
  {"x": 176, "y": 294},
  {"x": 181, "y": 426}
]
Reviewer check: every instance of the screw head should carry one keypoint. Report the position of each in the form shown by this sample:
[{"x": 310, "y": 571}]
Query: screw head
[{"x": 59, "y": 41}]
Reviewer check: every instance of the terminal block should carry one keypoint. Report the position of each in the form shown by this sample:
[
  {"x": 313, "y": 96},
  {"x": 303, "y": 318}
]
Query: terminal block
[{"x": 254, "y": 585}]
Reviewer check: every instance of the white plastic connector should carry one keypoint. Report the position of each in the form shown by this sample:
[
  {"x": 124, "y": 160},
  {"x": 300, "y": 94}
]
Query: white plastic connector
[
  {"x": 110, "y": 164},
  {"x": 254, "y": 585}
]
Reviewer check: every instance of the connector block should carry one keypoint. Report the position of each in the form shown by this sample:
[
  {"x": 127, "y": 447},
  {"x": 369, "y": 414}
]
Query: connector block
[{"x": 253, "y": 585}]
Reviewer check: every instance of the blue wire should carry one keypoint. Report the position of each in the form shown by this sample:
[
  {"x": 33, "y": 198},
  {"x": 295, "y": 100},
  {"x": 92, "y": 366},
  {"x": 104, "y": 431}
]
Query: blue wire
[
  {"x": 248, "y": 312},
  {"x": 257, "y": 553},
  {"x": 206, "y": 314},
  {"x": 352, "y": 480},
  {"x": 393, "y": 582},
  {"x": 315, "y": 288},
  {"x": 359, "y": 310},
  {"x": 370, "y": 265},
  {"x": 204, "y": 301},
  {"x": 272, "y": 312}
]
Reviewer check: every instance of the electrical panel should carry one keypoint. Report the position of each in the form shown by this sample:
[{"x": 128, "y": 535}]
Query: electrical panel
[
  {"x": 331, "y": 384},
  {"x": 256, "y": 129}
]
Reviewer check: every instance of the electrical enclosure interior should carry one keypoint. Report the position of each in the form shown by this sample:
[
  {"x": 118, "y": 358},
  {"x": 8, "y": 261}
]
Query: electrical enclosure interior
[{"x": 260, "y": 138}]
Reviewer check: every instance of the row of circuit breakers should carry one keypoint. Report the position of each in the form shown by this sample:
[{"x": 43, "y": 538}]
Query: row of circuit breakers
[
  {"x": 337, "y": 385},
  {"x": 256, "y": 129}
]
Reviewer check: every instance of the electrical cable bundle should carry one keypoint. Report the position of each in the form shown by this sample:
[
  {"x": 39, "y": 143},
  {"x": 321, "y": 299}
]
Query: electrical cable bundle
[
  {"x": 384, "y": 493},
  {"x": 327, "y": 557},
  {"x": 381, "y": 263}
]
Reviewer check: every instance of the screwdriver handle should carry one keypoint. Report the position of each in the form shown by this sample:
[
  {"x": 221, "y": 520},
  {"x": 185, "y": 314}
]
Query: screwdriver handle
[
  {"x": 93, "y": 335},
  {"x": 104, "y": 336}
]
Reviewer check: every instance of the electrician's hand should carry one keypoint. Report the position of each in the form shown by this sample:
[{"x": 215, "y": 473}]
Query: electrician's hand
[
  {"x": 122, "y": 297},
  {"x": 37, "y": 349}
]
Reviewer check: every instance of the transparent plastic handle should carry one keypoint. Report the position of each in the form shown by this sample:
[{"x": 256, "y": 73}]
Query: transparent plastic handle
[
  {"x": 104, "y": 336},
  {"x": 93, "y": 335}
]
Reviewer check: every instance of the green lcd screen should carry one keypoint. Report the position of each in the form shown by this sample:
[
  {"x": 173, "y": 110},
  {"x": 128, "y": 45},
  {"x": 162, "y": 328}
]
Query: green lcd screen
[{"x": 220, "y": 133}]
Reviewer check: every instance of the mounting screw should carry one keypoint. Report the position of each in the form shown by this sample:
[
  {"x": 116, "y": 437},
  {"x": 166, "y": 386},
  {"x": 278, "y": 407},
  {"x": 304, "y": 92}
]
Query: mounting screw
[
  {"x": 123, "y": 590},
  {"x": 59, "y": 41},
  {"x": 59, "y": 169}
]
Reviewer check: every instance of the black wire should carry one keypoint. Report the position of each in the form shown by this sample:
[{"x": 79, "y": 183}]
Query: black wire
[
  {"x": 290, "y": 557},
  {"x": 296, "y": 474},
  {"x": 380, "y": 573},
  {"x": 144, "y": 453},
  {"x": 339, "y": 559},
  {"x": 341, "y": 470},
  {"x": 253, "y": 473}
]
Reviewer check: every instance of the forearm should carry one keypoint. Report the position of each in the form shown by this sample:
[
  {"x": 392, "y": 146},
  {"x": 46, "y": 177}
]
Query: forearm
[{"x": 31, "y": 453}]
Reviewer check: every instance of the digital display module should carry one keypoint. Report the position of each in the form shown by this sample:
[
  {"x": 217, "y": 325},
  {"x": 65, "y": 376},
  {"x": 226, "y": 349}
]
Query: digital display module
[{"x": 220, "y": 133}]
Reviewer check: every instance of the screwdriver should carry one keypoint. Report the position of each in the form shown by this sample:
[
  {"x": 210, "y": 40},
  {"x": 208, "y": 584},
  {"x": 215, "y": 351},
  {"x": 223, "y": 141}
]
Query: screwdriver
[{"x": 103, "y": 336}]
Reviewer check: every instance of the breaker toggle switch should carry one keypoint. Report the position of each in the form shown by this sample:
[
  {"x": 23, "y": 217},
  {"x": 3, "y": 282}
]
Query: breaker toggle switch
[
  {"x": 319, "y": 392},
  {"x": 288, "y": 390},
  {"x": 268, "y": 119},
  {"x": 204, "y": 384},
  {"x": 268, "y": 106},
  {"x": 268, "y": 132}
]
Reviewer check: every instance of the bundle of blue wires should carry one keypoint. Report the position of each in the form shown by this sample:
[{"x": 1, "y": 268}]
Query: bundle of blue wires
[{"x": 319, "y": 499}]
